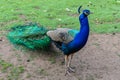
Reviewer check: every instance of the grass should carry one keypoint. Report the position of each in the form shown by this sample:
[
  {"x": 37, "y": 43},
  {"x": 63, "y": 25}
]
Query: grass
[
  {"x": 42, "y": 72},
  {"x": 4, "y": 65},
  {"x": 52, "y": 60},
  {"x": 13, "y": 72},
  {"x": 53, "y": 14}
]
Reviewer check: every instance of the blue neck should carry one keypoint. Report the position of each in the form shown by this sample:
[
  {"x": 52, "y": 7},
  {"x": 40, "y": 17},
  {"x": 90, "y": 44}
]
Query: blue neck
[
  {"x": 82, "y": 37},
  {"x": 84, "y": 29}
]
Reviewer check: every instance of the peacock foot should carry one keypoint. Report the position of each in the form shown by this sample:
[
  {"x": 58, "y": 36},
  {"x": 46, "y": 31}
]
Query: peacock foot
[
  {"x": 67, "y": 73},
  {"x": 71, "y": 69}
]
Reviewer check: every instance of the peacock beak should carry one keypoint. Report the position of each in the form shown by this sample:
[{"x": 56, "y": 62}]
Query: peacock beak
[{"x": 91, "y": 13}]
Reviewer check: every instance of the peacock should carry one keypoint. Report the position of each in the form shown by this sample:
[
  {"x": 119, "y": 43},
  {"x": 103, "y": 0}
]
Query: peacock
[
  {"x": 69, "y": 44},
  {"x": 67, "y": 40}
]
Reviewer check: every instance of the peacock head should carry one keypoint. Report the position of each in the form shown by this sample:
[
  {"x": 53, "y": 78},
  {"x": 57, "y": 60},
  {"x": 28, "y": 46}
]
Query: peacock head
[{"x": 86, "y": 12}]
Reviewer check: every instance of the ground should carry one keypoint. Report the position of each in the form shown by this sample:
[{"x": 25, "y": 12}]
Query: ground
[{"x": 98, "y": 60}]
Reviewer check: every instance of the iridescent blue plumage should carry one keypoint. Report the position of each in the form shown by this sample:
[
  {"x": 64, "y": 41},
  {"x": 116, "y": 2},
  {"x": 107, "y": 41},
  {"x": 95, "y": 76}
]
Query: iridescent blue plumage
[{"x": 80, "y": 38}]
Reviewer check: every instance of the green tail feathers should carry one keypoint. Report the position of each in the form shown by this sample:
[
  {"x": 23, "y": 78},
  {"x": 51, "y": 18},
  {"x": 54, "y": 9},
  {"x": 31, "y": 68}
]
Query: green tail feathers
[{"x": 32, "y": 36}]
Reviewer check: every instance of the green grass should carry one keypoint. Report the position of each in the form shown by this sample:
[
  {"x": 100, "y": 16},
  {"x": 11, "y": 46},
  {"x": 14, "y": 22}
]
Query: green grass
[
  {"x": 13, "y": 72},
  {"x": 42, "y": 72},
  {"x": 4, "y": 65},
  {"x": 54, "y": 13}
]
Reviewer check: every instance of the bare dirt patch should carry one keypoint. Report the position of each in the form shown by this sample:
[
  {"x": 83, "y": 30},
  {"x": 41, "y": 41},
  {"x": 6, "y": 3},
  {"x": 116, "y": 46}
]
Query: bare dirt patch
[{"x": 98, "y": 60}]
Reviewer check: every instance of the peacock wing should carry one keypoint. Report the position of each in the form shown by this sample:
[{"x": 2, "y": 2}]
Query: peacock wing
[{"x": 61, "y": 35}]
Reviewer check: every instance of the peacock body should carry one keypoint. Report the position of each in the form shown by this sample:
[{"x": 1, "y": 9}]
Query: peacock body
[
  {"x": 63, "y": 35},
  {"x": 68, "y": 40}
]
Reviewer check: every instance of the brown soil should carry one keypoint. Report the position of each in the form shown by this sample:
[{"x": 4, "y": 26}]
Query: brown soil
[{"x": 98, "y": 60}]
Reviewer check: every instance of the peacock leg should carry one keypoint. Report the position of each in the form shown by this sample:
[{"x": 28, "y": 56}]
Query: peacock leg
[
  {"x": 71, "y": 69},
  {"x": 66, "y": 65}
]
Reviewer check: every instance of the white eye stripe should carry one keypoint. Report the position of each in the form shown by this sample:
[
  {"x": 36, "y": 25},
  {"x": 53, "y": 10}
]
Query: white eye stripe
[{"x": 86, "y": 13}]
